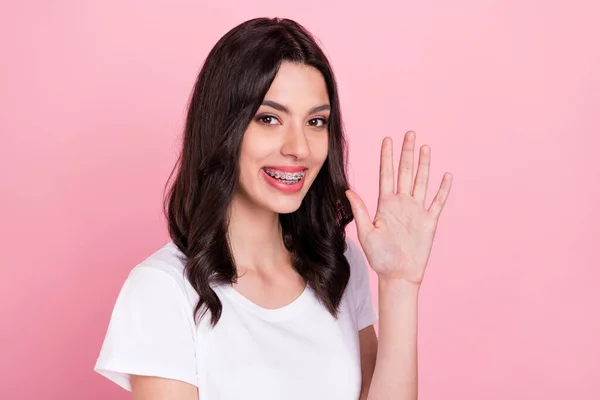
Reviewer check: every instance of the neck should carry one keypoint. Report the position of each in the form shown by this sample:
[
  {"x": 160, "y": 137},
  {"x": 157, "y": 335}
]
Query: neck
[{"x": 255, "y": 237}]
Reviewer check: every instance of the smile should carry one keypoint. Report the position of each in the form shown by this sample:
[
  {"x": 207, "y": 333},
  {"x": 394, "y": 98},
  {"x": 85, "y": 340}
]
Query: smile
[
  {"x": 286, "y": 177},
  {"x": 287, "y": 182}
]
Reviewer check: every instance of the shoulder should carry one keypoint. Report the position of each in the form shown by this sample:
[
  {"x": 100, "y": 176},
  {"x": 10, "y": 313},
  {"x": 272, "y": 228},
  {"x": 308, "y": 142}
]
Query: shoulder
[
  {"x": 359, "y": 285},
  {"x": 162, "y": 274},
  {"x": 168, "y": 260},
  {"x": 351, "y": 248},
  {"x": 355, "y": 257},
  {"x": 359, "y": 270},
  {"x": 151, "y": 331}
]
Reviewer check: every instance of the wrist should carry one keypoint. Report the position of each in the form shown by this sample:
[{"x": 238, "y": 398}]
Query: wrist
[{"x": 398, "y": 284}]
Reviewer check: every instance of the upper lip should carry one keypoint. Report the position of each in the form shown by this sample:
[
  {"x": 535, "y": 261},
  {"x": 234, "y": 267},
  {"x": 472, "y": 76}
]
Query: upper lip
[{"x": 287, "y": 168}]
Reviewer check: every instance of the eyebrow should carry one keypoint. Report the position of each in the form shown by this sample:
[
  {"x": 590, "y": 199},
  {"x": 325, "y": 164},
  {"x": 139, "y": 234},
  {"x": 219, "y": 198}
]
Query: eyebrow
[{"x": 282, "y": 108}]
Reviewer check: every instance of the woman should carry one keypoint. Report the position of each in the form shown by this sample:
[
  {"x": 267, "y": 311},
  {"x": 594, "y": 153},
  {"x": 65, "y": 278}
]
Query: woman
[{"x": 259, "y": 294}]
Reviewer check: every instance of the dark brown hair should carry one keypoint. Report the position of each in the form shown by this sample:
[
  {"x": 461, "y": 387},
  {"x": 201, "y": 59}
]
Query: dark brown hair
[{"x": 230, "y": 87}]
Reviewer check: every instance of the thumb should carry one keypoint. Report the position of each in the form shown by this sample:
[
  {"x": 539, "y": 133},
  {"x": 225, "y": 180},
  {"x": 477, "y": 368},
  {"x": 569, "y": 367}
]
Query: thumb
[{"x": 360, "y": 212}]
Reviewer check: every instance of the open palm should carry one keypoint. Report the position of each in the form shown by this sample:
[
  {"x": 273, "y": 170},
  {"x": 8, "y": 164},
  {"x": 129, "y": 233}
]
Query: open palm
[{"x": 398, "y": 242}]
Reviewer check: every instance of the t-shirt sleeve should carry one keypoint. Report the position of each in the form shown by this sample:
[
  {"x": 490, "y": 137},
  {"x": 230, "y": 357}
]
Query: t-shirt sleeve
[
  {"x": 366, "y": 314},
  {"x": 150, "y": 331}
]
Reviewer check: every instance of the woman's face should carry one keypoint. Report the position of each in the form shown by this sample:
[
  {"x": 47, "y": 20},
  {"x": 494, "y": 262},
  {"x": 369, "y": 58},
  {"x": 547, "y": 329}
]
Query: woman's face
[{"x": 286, "y": 144}]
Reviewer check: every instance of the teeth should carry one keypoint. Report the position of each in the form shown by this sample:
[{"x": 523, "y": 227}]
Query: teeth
[{"x": 288, "y": 176}]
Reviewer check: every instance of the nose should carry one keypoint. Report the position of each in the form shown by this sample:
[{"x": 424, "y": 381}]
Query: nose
[{"x": 296, "y": 143}]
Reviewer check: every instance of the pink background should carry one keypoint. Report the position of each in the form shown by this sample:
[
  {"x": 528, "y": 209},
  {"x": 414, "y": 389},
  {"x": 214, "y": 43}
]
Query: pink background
[{"x": 92, "y": 100}]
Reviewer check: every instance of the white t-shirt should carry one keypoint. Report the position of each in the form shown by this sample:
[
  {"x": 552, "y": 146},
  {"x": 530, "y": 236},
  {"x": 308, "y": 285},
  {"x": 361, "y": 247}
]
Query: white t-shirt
[{"x": 298, "y": 351}]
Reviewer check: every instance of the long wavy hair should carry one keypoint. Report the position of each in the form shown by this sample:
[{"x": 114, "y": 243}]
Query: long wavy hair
[{"x": 229, "y": 89}]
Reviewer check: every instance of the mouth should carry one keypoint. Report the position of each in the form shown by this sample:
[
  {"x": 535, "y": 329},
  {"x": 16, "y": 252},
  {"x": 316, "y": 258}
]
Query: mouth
[
  {"x": 285, "y": 181},
  {"x": 285, "y": 177}
]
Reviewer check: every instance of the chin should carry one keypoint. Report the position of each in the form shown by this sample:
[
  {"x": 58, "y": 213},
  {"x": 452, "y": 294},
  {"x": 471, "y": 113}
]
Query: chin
[{"x": 285, "y": 206}]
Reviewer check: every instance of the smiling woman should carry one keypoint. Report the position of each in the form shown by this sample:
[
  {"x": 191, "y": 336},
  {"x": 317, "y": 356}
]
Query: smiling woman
[{"x": 259, "y": 294}]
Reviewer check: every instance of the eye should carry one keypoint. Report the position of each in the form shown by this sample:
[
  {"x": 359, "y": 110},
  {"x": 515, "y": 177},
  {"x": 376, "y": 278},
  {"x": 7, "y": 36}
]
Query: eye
[
  {"x": 317, "y": 122},
  {"x": 267, "y": 119}
]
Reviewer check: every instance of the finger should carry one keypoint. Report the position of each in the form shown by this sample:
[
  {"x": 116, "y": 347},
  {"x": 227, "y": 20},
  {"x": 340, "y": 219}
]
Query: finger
[
  {"x": 422, "y": 178},
  {"x": 405, "y": 167},
  {"x": 361, "y": 214},
  {"x": 386, "y": 168},
  {"x": 442, "y": 195}
]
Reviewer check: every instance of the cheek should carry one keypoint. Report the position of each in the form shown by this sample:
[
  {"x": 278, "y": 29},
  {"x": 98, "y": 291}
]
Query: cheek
[
  {"x": 255, "y": 147},
  {"x": 320, "y": 149}
]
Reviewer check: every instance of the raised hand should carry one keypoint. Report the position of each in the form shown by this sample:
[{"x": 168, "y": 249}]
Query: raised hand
[{"x": 398, "y": 242}]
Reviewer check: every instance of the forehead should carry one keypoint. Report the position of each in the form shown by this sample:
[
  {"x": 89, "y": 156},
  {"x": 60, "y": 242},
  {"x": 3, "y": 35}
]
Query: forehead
[{"x": 298, "y": 86}]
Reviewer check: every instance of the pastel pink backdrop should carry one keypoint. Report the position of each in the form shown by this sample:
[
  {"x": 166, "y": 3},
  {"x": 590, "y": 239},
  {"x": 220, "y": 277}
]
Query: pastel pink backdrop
[{"x": 505, "y": 92}]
